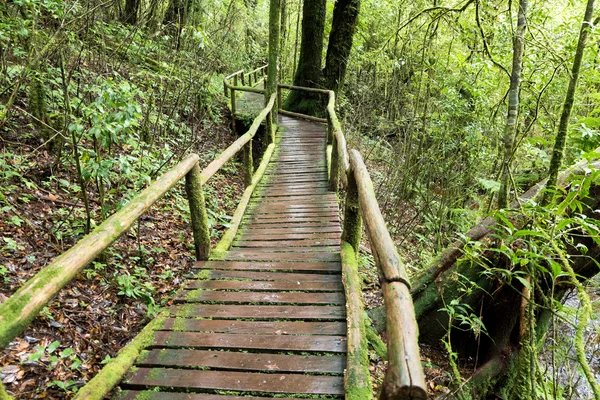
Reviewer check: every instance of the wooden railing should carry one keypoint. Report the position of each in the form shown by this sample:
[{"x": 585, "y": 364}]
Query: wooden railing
[
  {"x": 19, "y": 309},
  {"x": 404, "y": 378}
]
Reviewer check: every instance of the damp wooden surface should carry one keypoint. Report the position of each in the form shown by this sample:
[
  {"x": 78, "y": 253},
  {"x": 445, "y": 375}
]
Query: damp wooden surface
[{"x": 269, "y": 318}]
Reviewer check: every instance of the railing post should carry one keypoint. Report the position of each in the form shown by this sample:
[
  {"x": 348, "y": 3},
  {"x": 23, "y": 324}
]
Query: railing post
[
  {"x": 269, "y": 128},
  {"x": 334, "y": 173},
  {"x": 243, "y": 79},
  {"x": 193, "y": 188},
  {"x": 352, "y": 228},
  {"x": 255, "y": 77},
  {"x": 235, "y": 81},
  {"x": 225, "y": 87},
  {"x": 279, "y": 105},
  {"x": 329, "y": 129},
  {"x": 248, "y": 163}
]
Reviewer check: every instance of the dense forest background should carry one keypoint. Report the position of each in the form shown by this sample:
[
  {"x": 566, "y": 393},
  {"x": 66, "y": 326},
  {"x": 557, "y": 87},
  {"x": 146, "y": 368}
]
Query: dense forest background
[{"x": 97, "y": 98}]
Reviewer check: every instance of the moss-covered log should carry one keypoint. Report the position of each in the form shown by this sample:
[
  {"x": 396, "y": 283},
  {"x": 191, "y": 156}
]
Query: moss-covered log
[{"x": 357, "y": 379}]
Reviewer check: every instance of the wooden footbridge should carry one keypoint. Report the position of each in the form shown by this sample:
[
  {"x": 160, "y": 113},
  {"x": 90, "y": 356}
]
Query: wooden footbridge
[{"x": 275, "y": 309}]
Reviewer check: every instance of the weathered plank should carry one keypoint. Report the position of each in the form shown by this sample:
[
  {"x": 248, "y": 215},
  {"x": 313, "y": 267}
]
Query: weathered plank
[
  {"x": 236, "y": 381},
  {"x": 255, "y": 327},
  {"x": 270, "y": 265},
  {"x": 330, "y": 313},
  {"x": 204, "y": 340},
  {"x": 270, "y": 276},
  {"x": 305, "y": 286},
  {"x": 259, "y": 297},
  {"x": 243, "y": 361},
  {"x": 252, "y": 255}
]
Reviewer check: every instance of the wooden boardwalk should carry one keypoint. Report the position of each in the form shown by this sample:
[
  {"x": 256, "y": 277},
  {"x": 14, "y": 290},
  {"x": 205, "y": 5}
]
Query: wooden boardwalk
[{"x": 270, "y": 319}]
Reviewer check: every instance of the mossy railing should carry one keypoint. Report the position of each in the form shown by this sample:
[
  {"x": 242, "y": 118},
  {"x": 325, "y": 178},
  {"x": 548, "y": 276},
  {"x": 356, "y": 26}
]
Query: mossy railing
[
  {"x": 18, "y": 310},
  {"x": 404, "y": 378}
]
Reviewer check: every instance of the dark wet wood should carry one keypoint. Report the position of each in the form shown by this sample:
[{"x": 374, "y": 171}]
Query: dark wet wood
[
  {"x": 259, "y": 297},
  {"x": 236, "y": 381},
  {"x": 256, "y": 327},
  {"x": 169, "y": 339},
  {"x": 310, "y": 286},
  {"x": 278, "y": 289},
  {"x": 151, "y": 395},
  {"x": 332, "y": 313},
  {"x": 258, "y": 266},
  {"x": 273, "y": 276},
  {"x": 242, "y": 361}
]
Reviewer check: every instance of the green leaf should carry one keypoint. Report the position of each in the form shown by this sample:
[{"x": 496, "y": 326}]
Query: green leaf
[{"x": 53, "y": 346}]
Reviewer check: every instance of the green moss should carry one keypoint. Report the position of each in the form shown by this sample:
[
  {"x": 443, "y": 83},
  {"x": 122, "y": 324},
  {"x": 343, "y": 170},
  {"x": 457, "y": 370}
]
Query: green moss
[
  {"x": 374, "y": 340},
  {"x": 358, "y": 378},
  {"x": 193, "y": 294},
  {"x": 179, "y": 325},
  {"x": 113, "y": 372},
  {"x": 203, "y": 275},
  {"x": 3, "y": 394}
]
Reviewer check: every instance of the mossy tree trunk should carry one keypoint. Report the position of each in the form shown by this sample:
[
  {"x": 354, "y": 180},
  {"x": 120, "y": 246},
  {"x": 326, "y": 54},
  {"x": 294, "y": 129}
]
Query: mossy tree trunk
[
  {"x": 561, "y": 135},
  {"x": 176, "y": 15},
  {"x": 130, "y": 14},
  {"x": 345, "y": 18},
  {"x": 274, "y": 31},
  {"x": 309, "y": 71},
  {"x": 510, "y": 129}
]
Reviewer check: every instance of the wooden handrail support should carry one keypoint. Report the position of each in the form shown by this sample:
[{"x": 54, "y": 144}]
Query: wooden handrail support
[
  {"x": 404, "y": 378},
  {"x": 19, "y": 309}
]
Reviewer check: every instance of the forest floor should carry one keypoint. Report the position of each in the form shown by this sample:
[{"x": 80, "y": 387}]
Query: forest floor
[{"x": 111, "y": 300}]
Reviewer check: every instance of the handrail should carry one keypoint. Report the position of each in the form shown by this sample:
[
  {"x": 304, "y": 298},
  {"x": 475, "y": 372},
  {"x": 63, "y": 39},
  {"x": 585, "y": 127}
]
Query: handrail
[
  {"x": 404, "y": 378},
  {"x": 17, "y": 312}
]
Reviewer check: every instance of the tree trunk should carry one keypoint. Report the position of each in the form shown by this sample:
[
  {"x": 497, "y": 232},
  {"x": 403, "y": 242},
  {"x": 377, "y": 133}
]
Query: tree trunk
[
  {"x": 131, "y": 12},
  {"x": 274, "y": 30},
  {"x": 176, "y": 15},
  {"x": 561, "y": 135},
  {"x": 345, "y": 18},
  {"x": 510, "y": 128},
  {"x": 309, "y": 72}
]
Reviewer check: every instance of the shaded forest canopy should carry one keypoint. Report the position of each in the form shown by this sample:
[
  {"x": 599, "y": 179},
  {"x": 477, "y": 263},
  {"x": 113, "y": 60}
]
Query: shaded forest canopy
[{"x": 461, "y": 108}]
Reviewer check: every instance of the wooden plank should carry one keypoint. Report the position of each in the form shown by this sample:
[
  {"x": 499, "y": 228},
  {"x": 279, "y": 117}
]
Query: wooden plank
[
  {"x": 204, "y": 340},
  {"x": 252, "y": 229},
  {"x": 152, "y": 395},
  {"x": 291, "y": 221},
  {"x": 299, "y": 243},
  {"x": 257, "y": 235},
  {"x": 250, "y": 255},
  {"x": 259, "y": 297},
  {"x": 287, "y": 209},
  {"x": 272, "y": 276},
  {"x": 268, "y": 266},
  {"x": 236, "y": 381},
  {"x": 308, "y": 286},
  {"x": 256, "y": 327},
  {"x": 288, "y": 249},
  {"x": 282, "y": 225},
  {"x": 242, "y": 361},
  {"x": 330, "y": 313}
]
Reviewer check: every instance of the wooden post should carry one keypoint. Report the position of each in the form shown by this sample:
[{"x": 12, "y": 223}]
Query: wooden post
[
  {"x": 334, "y": 173},
  {"x": 248, "y": 165},
  {"x": 279, "y": 104},
  {"x": 352, "y": 229},
  {"x": 269, "y": 128},
  {"x": 329, "y": 129},
  {"x": 225, "y": 87},
  {"x": 193, "y": 187},
  {"x": 243, "y": 79},
  {"x": 255, "y": 76}
]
